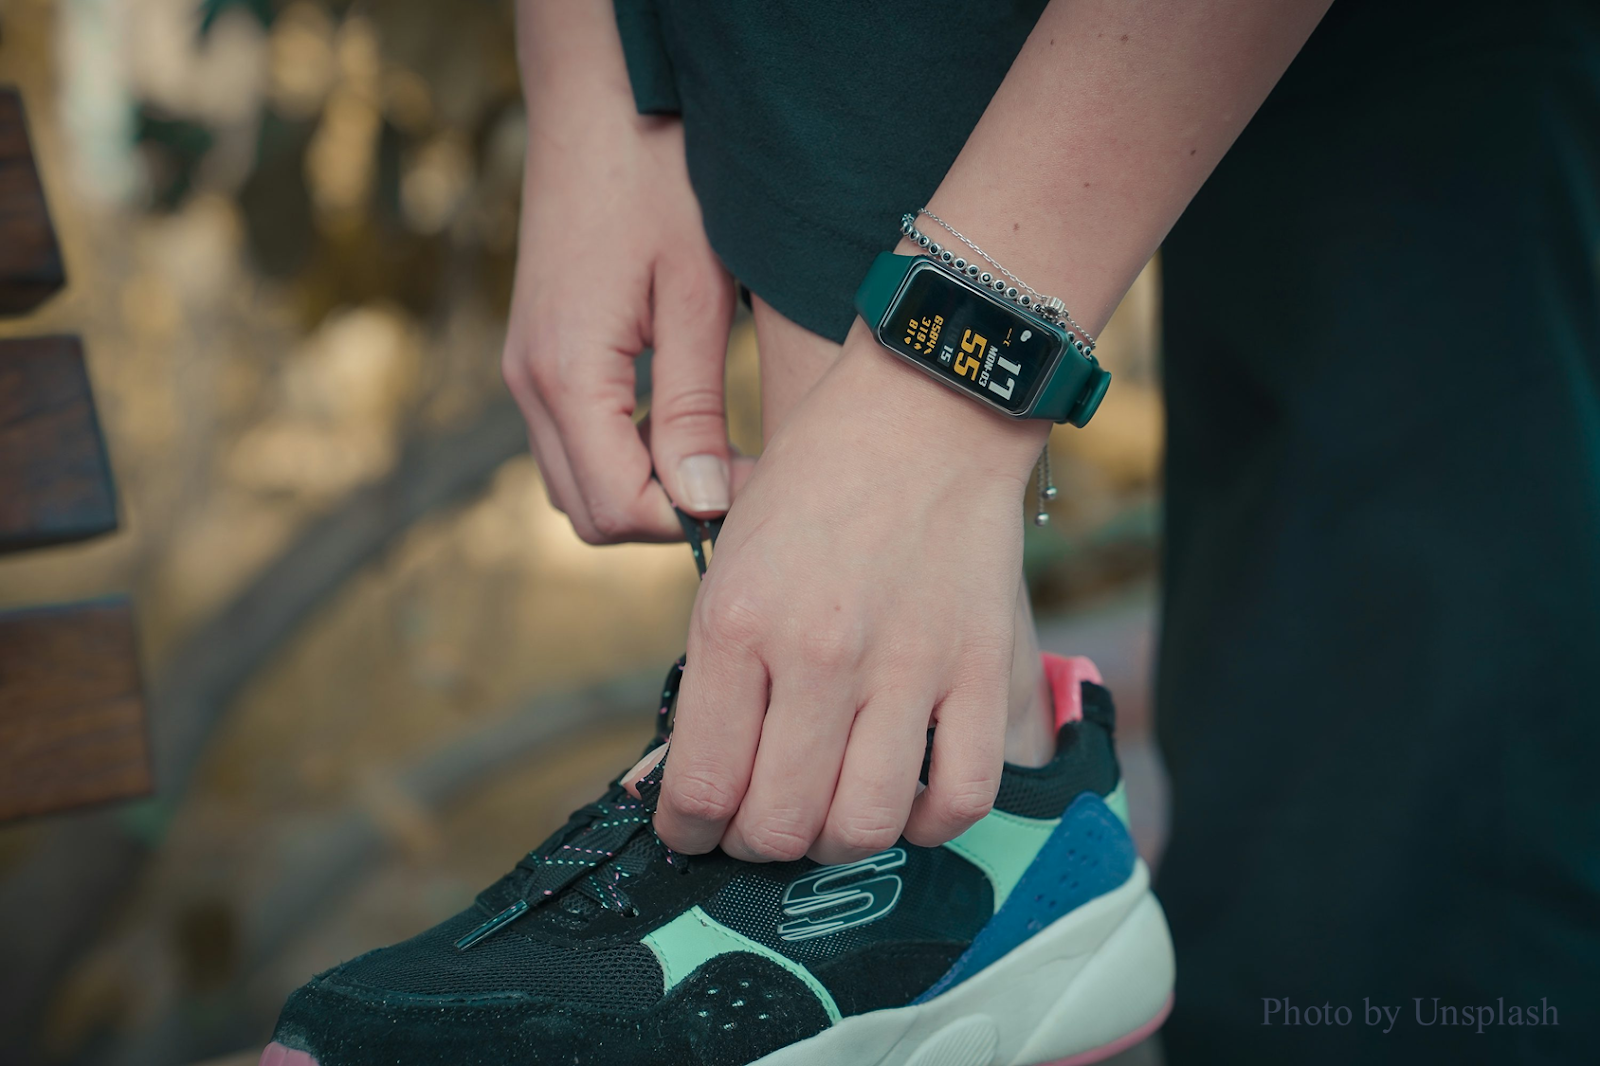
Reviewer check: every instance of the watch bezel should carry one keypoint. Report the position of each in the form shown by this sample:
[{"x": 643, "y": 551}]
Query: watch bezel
[{"x": 924, "y": 263}]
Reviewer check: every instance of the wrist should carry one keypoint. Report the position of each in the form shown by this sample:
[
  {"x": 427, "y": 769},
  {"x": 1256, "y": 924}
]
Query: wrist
[
  {"x": 925, "y": 412},
  {"x": 589, "y": 115},
  {"x": 569, "y": 56}
]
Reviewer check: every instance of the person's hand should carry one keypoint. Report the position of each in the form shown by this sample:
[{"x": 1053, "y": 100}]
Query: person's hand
[
  {"x": 613, "y": 259},
  {"x": 864, "y": 587}
]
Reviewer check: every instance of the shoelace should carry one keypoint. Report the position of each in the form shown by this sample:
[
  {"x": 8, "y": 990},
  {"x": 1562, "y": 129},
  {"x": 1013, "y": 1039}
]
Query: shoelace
[{"x": 584, "y": 854}]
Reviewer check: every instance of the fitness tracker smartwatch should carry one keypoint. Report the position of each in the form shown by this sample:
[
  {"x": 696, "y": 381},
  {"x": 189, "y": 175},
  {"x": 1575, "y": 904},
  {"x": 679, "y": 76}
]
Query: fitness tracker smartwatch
[{"x": 1006, "y": 356}]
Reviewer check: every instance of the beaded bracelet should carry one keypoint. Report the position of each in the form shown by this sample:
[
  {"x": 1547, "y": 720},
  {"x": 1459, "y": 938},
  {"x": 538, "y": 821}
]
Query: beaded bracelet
[{"x": 1018, "y": 292}]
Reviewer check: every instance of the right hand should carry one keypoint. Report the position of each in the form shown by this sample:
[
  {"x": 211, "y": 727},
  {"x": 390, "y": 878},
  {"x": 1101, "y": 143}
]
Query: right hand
[{"x": 613, "y": 259}]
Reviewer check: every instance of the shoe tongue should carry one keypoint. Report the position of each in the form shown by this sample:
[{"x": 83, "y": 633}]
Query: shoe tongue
[{"x": 583, "y": 897}]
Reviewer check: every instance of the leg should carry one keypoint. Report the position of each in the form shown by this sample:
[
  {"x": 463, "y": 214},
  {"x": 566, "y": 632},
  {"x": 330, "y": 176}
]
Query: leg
[
  {"x": 1382, "y": 574},
  {"x": 792, "y": 360}
]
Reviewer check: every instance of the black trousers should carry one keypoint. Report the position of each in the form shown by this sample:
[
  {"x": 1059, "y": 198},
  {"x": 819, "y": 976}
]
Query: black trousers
[{"x": 1378, "y": 692}]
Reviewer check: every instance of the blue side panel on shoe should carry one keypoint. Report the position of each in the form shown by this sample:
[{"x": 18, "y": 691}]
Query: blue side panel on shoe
[{"x": 1089, "y": 854}]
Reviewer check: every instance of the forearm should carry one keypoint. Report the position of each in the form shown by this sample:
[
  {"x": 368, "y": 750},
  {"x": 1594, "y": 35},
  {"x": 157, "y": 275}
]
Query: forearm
[
  {"x": 1110, "y": 119},
  {"x": 1105, "y": 127},
  {"x": 570, "y": 59}
]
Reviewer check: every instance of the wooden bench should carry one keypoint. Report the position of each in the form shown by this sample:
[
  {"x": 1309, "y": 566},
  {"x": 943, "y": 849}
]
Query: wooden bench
[{"x": 72, "y": 718}]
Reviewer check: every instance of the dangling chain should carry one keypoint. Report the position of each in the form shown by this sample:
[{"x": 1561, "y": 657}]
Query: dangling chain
[
  {"x": 1018, "y": 292},
  {"x": 1044, "y": 487}
]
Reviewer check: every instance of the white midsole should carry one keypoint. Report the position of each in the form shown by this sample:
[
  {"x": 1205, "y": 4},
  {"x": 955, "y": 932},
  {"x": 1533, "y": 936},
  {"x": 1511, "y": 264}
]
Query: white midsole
[{"x": 1090, "y": 978}]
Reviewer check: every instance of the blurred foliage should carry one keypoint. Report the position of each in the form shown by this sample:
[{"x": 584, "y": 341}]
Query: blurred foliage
[{"x": 364, "y": 182}]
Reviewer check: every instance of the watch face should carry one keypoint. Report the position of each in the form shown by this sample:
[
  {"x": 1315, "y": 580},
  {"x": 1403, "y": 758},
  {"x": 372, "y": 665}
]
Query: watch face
[{"x": 980, "y": 344}]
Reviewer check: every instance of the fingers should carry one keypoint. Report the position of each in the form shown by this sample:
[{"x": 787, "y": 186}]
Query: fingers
[
  {"x": 689, "y": 434},
  {"x": 611, "y": 467},
  {"x": 968, "y": 754},
  {"x": 579, "y": 405},
  {"x": 543, "y": 441},
  {"x": 554, "y": 394},
  {"x": 716, "y": 730},
  {"x": 803, "y": 739},
  {"x": 878, "y": 781}
]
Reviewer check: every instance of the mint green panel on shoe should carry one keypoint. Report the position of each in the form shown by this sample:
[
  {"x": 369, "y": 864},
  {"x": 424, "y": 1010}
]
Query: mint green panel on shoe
[
  {"x": 693, "y": 938},
  {"x": 1003, "y": 845},
  {"x": 1118, "y": 802}
]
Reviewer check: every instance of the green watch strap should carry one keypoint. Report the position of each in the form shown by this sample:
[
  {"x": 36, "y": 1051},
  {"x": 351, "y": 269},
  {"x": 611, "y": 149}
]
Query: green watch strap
[
  {"x": 1073, "y": 391},
  {"x": 883, "y": 280}
]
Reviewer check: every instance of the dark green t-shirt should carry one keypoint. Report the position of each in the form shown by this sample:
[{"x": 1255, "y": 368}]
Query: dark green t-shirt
[{"x": 811, "y": 126}]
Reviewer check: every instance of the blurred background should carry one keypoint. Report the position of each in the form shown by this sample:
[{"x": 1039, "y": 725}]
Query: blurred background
[{"x": 379, "y": 667}]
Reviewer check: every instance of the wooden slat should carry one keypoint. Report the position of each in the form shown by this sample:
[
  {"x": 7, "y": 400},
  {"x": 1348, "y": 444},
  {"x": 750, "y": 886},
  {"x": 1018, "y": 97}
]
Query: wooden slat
[
  {"x": 72, "y": 722},
  {"x": 30, "y": 258},
  {"x": 55, "y": 481}
]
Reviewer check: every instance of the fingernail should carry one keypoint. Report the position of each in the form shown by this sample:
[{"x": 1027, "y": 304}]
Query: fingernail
[
  {"x": 703, "y": 480},
  {"x": 630, "y": 780}
]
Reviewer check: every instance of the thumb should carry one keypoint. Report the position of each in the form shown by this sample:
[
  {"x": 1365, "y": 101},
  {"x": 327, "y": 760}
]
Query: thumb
[{"x": 688, "y": 426}]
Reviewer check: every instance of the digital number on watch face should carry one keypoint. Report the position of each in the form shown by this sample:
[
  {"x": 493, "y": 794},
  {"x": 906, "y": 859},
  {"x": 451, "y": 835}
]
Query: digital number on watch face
[{"x": 983, "y": 347}]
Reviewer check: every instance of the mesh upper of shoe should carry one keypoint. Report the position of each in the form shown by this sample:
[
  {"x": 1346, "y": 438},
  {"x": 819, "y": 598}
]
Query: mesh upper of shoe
[{"x": 623, "y": 977}]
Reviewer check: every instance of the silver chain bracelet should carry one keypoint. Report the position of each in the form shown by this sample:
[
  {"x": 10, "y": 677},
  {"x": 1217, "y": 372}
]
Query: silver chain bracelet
[{"x": 1018, "y": 292}]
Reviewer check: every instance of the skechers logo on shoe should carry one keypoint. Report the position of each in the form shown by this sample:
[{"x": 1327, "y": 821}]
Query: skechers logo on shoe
[{"x": 834, "y": 898}]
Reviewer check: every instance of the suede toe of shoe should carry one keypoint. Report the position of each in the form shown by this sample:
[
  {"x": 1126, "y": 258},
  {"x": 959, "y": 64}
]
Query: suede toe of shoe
[
  {"x": 341, "y": 1022},
  {"x": 345, "y": 1024}
]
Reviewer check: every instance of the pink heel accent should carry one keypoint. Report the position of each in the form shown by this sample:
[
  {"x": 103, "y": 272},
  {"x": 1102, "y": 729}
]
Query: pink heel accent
[
  {"x": 1122, "y": 1043},
  {"x": 1066, "y": 677},
  {"x": 275, "y": 1054}
]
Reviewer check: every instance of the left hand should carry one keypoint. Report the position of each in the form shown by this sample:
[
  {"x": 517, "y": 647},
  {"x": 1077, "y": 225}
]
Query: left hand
[{"x": 864, "y": 587}]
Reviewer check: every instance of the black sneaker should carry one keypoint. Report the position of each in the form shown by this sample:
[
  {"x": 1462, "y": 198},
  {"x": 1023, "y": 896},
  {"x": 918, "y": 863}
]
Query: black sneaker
[{"x": 1031, "y": 938}]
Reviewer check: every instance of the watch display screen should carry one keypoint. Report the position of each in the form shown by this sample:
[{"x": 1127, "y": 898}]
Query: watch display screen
[{"x": 991, "y": 350}]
